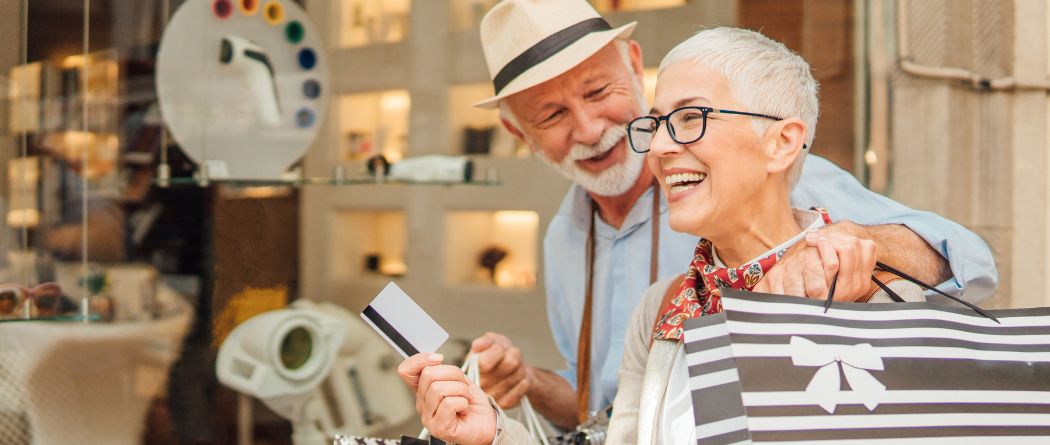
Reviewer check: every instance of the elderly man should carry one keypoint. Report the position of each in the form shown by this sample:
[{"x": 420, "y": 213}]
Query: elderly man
[{"x": 567, "y": 84}]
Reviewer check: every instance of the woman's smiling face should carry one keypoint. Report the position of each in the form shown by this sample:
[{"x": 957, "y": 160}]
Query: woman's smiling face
[{"x": 707, "y": 182}]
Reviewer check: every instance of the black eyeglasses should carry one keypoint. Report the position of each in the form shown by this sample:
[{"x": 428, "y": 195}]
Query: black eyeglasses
[{"x": 685, "y": 125}]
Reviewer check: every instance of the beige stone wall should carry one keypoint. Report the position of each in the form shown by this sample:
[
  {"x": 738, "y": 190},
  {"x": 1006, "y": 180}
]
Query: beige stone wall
[{"x": 977, "y": 157}]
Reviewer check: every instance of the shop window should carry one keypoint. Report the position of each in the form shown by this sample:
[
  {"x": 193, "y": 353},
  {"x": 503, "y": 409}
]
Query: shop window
[
  {"x": 367, "y": 22},
  {"x": 367, "y": 243},
  {"x": 477, "y": 131},
  {"x": 491, "y": 248},
  {"x": 373, "y": 124}
]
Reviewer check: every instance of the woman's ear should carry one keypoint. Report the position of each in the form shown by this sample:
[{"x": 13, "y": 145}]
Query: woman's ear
[{"x": 788, "y": 137}]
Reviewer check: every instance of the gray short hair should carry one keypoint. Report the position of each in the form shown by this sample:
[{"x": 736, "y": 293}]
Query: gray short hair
[{"x": 765, "y": 77}]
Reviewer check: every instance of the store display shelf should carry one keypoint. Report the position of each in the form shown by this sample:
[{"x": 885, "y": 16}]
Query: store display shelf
[
  {"x": 298, "y": 182},
  {"x": 59, "y": 318}
]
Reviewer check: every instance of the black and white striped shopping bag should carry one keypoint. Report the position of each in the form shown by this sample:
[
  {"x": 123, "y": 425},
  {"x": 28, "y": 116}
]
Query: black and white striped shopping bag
[{"x": 780, "y": 369}]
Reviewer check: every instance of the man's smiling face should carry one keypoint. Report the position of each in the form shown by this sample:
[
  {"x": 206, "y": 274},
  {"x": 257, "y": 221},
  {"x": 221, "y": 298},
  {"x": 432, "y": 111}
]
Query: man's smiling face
[{"x": 575, "y": 122}]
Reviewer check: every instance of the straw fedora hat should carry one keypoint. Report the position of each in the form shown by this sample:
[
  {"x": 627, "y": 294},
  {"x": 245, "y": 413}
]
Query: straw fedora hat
[{"x": 528, "y": 42}]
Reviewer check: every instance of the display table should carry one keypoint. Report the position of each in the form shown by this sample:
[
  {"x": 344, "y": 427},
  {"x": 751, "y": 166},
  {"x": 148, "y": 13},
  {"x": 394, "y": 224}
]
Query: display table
[{"x": 86, "y": 383}]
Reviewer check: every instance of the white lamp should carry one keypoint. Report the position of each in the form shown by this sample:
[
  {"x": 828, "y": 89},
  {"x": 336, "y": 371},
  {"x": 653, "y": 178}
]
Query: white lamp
[{"x": 281, "y": 357}]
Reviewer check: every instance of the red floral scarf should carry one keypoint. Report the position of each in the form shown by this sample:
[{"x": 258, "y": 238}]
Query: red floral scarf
[{"x": 700, "y": 293}]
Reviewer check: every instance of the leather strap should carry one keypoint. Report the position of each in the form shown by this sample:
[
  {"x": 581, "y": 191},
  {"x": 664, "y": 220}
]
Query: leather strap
[
  {"x": 583, "y": 351},
  {"x": 654, "y": 258}
]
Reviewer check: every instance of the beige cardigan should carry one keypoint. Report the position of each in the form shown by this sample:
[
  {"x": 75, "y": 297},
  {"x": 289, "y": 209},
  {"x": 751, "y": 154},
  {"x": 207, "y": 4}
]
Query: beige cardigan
[{"x": 623, "y": 427}]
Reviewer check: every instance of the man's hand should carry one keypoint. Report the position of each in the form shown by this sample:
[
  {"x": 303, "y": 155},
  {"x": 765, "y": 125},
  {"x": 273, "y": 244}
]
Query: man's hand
[
  {"x": 504, "y": 375},
  {"x": 452, "y": 408},
  {"x": 809, "y": 267}
]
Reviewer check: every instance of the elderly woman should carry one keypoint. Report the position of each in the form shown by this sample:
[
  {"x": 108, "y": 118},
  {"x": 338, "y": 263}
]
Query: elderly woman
[{"x": 726, "y": 138}]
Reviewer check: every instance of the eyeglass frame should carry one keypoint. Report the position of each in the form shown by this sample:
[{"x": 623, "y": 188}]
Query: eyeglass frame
[{"x": 670, "y": 128}]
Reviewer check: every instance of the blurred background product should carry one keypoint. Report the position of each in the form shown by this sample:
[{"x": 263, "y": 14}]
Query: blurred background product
[{"x": 188, "y": 233}]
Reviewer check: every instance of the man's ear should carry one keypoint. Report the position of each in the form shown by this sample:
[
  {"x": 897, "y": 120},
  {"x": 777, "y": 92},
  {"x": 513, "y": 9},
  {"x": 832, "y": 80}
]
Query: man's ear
[
  {"x": 514, "y": 131},
  {"x": 634, "y": 50},
  {"x": 787, "y": 137}
]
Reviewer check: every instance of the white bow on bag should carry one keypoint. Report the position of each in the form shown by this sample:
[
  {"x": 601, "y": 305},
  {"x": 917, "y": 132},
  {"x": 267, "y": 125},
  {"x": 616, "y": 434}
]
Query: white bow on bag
[{"x": 855, "y": 361}]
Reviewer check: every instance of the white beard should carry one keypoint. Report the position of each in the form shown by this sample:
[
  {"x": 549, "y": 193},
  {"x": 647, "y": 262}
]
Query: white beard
[
  {"x": 615, "y": 180},
  {"x": 612, "y": 181}
]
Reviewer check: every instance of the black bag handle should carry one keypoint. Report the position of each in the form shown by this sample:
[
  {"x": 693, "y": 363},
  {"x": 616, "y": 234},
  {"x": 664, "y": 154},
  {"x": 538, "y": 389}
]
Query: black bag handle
[{"x": 883, "y": 267}]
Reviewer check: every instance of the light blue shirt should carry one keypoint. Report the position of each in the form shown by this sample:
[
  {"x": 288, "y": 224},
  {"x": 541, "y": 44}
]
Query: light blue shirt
[{"x": 621, "y": 268}]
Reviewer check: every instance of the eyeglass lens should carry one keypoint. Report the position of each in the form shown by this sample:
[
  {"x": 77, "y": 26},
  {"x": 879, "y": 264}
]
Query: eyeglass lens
[{"x": 686, "y": 125}]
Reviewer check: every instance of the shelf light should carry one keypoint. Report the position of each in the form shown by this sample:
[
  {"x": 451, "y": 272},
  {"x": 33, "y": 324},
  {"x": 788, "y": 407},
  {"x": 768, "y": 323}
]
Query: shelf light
[
  {"x": 393, "y": 268},
  {"x": 23, "y": 218},
  {"x": 517, "y": 217},
  {"x": 73, "y": 61},
  {"x": 395, "y": 101},
  {"x": 871, "y": 158}
]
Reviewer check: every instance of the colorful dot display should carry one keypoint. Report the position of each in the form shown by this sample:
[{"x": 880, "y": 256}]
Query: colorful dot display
[
  {"x": 311, "y": 89},
  {"x": 304, "y": 118},
  {"x": 274, "y": 13},
  {"x": 222, "y": 8},
  {"x": 249, "y": 7},
  {"x": 307, "y": 58},
  {"x": 294, "y": 31}
]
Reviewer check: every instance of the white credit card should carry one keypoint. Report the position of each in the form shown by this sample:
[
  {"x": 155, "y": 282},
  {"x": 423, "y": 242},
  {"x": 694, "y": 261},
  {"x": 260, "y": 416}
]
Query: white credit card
[{"x": 402, "y": 323}]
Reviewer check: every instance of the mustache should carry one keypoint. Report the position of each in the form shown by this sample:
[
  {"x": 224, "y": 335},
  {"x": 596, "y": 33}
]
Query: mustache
[{"x": 610, "y": 137}]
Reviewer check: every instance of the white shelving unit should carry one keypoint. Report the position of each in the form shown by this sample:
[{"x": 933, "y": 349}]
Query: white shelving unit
[{"x": 439, "y": 63}]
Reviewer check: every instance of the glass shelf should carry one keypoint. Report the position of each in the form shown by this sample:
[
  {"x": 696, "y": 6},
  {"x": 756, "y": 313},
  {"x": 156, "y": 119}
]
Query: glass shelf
[
  {"x": 59, "y": 318},
  {"x": 181, "y": 181}
]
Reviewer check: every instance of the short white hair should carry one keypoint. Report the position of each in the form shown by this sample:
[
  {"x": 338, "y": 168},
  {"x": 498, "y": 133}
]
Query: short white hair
[
  {"x": 625, "y": 55},
  {"x": 764, "y": 76}
]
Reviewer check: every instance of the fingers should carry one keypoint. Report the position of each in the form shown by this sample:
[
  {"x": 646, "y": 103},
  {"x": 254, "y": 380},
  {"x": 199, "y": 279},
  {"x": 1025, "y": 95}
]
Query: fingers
[
  {"x": 511, "y": 363},
  {"x": 490, "y": 357},
  {"x": 496, "y": 387},
  {"x": 445, "y": 419},
  {"x": 762, "y": 286},
  {"x": 438, "y": 391},
  {"x": 512, "y": 397},
  {"x": 776, "y": 281},
  {"x": 849, "y": 265},
  {"x": 793, "y": 280},
  {"x": 411, "y": 369},
  {"x": 808, "y": 269},
  {"x": 828, "y": 256},
  {"x": 432, "y": 375},
  {"x": 852, "y": 258},
  {"x": 815, "y": 281},
  {"x": 482, "y": 343}
]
